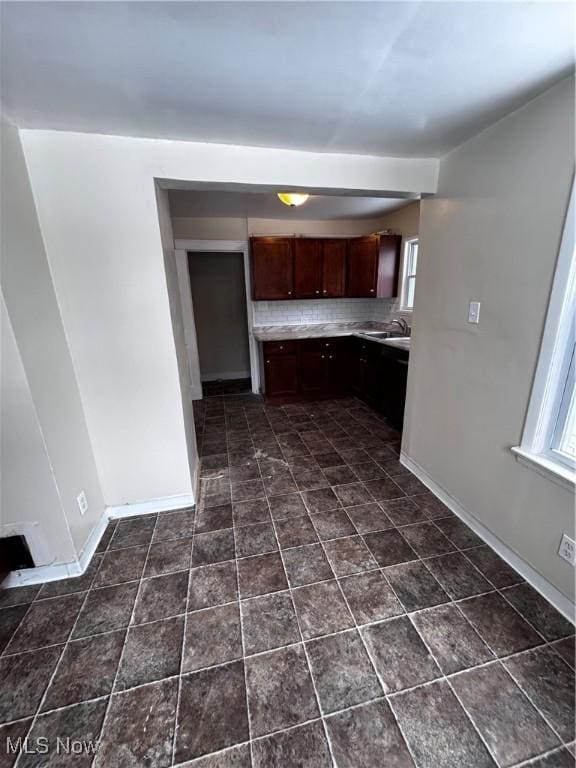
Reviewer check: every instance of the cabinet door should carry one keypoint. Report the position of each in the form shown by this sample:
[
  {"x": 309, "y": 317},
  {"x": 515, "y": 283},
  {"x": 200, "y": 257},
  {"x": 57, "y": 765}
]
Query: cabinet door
[
  {"x": 334, "y": 268},
  {"x": 395, "y": 378},
  {"x": 362, "y": 266},
  {"x": 336, "y": 372},
  {"x": 307, "y": 268},
  {"x": 358, "y": 362},
  {"x": 272, "y": 268},
  {"x": 374, "y": 385},
  {"x": 311, "y": 372},
  {"x": 388, "y": 266},
  {"x": 281, "y": 374}
]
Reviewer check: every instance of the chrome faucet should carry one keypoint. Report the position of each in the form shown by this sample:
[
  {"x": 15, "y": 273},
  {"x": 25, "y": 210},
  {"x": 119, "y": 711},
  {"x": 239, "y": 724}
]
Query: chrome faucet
[{"x": 404, "y": 327}]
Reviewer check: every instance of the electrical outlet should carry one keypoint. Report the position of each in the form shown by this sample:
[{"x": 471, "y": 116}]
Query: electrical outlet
[
  {"x": 82, "y": 503},
  {"x": 474, "y": 312},
  {"x": 567, "y": 549}
]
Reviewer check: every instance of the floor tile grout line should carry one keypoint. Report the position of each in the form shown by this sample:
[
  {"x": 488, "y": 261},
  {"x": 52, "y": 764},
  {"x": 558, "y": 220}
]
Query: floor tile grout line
[
  {"x": 546, "y": 720},
  {"x": 376, "y": 672},
  {"x": 382, "y": 569},
  {"x": 454, "y": 693},
  {"x": 183, "y": 647},
  {"x": 24, "y": 615},
  {"x": 184, "y": 637},
  {"x": 38, "y": 711},
  {"x": 532, "y": 760},
  {"x": 305, "y": 651},
  {"x": 242, "y": 640},
  {"x": 373, "y": 663},
  {"x": 113, "y": 690}
]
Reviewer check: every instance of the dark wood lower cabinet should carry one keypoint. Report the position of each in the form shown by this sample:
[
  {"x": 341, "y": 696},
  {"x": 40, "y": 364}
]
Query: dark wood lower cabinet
[
  {"x": 394, "y": 367},
  {"x": 281, "y": 374},
  {"x": 308, "y": 368},
  {"x": 315, "y": 368}
]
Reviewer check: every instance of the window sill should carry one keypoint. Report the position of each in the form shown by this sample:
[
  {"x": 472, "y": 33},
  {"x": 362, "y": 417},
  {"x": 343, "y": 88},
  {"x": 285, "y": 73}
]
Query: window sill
[{"x": 558, "y": 473}]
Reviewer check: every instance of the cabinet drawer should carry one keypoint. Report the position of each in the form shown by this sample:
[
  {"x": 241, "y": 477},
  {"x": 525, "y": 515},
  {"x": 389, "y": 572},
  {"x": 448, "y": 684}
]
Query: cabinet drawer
[
  {"x": 324, "y": 345},
  {"x": 279, "y": 348}
]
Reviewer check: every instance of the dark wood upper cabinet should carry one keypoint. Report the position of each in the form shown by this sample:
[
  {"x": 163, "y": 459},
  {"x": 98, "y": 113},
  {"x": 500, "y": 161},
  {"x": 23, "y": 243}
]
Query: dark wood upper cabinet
[
  {"x": 373, "y": 266},
  {"x": 388, "y": 266},
  {"x": 314, "y": 268},
  {"x": 307, "y": 268},
  {"x": 272, "y": 261},
  {"x": 334, "y": 267},
  {"x": 362, "y": 272}
]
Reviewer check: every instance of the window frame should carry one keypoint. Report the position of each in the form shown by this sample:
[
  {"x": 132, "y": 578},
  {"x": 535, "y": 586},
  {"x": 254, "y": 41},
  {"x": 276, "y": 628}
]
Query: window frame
[
  {"x": 554, "y": 368},
  {"x": 406, "y": 247}
]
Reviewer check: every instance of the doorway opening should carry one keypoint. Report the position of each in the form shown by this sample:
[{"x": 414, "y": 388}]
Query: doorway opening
[{"x": 218, "y": 288}]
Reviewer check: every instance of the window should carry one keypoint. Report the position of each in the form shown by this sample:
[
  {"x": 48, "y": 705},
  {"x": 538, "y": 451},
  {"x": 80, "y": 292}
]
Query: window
[
  {"x": 409, "y": 273},
  {"x": 549, "y": 438}
]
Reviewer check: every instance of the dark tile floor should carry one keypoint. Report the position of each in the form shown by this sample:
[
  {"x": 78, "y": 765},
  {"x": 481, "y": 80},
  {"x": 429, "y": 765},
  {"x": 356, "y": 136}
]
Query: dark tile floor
[
  {"x": 226, "y": 387},
  {"x": 320, "y": 608}
]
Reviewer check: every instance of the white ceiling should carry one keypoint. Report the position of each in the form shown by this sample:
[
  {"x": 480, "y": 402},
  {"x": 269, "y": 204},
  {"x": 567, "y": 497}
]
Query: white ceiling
[
  {"x": 411, "y": 79},
  {"x": 267, "y": 206}
]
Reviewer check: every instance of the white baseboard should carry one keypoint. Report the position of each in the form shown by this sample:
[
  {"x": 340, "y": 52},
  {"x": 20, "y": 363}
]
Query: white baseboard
[
  {"x": 92, "y": 543},
  {"x": 44, "y": 573},
  {"x": 41, "y": 574},
  {"x": 164, "y": 504},
  {"x": 535, "y": 579}
]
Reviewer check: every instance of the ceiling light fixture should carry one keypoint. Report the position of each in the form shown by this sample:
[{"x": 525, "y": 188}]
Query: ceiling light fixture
[{"x": 293, "y": 199}]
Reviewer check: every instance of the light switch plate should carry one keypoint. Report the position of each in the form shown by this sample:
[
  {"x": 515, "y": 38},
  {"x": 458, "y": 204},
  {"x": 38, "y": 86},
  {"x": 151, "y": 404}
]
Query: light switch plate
[{"x": 474, "y": 312}]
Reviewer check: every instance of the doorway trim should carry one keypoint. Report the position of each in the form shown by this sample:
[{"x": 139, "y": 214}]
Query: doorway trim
[{"x": 182, "y": 248}]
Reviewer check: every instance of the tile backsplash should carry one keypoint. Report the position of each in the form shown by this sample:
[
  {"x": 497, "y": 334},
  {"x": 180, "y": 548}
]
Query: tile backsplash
[{"x": 308, "y": 311}]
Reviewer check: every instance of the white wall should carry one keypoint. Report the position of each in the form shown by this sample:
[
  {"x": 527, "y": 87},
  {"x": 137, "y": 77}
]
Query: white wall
[
  {"x": 96, "y": 203},
  {"x": 219, "y": 300},
  {"x": 207, "y": 228},
  {"x": 29, "y": 498},
  {"x": 187, "y": 492},
  {"x": 492, "y": 234},
  {"x": 403, "y": 221},
  {"x": 39, "y": 332}
]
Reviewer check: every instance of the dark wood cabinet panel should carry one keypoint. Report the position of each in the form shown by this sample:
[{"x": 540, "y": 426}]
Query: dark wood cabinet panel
[
  {"x": 334, "y": 267},
  {"x": 362, "y": 267},
  {"x": 358, "y": 366},
  {"x": 272, "y": 261},
  {"x": 337, "y": 379},
  {"x": 373, "y": 266},
  {"x": 311, "y": 372},
  {"x": 394, "y": 380},
  {"x": 317, "y": 368},
  {"x": 388, "y": 266},
  {"x": 313, "y": 268},
  {"x": 281, "y": 374},
  {"x": 307, "y": 268}
]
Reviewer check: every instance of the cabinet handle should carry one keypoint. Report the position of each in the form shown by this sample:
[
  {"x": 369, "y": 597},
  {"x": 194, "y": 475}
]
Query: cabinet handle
[
  {"x": 323, "y": 356},
  {"x": 317, "y": 291},
  {"x": 329, "y": 357},
  {"x": 324, "y": 291},
  {"x": 281, "y": 347},
  {"x": 371, "y": 290},
  {"x": 289, "y": 293}
]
